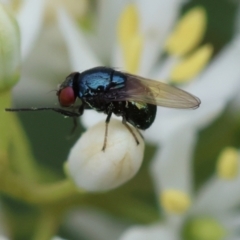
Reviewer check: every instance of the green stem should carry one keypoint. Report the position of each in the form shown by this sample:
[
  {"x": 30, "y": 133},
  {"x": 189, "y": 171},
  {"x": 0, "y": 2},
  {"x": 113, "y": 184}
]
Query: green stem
[
  {"x": 14, "y": 146},
  {"x": 33, "y": 193},
  {"x": 47, "y": 225}
]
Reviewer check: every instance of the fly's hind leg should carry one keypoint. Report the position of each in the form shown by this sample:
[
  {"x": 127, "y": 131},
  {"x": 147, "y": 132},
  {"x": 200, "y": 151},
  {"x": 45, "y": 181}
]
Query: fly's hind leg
[
  {"x": 130, "y": 130},
  {"x": 140, "y": 134}
]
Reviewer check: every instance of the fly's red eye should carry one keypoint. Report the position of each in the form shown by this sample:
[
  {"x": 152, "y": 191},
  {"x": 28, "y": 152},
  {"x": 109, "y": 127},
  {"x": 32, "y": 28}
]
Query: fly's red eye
[{"x": 66, "y": 97}]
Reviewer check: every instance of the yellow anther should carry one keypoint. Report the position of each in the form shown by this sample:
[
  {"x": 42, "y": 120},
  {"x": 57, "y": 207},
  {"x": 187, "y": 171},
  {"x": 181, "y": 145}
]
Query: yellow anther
[
  {"x": 128, "y": 24},
  {"x": 175, "y": 201},
  {"x": 227, "y": 165},
  {"x": 130, "y": 40},
  {"x": 132, "y": 53},
  {"x": 188, "y": 32},
  {"x": 192, "y": 65}
]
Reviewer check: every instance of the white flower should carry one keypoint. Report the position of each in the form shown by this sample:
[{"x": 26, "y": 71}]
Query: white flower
[
  {"x": 213, "y": 207},
  {"x": 93, "y": 169}
]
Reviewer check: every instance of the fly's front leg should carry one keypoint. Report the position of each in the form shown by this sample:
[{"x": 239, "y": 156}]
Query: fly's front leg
[
  {"x": 75, "y": 119},
  {"x": 109, "y": 114},
  {"x": 58, "y": 110}
]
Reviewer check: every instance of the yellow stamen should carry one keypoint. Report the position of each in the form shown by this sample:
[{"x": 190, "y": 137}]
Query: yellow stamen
[
  {"x": 227, "y": 165},
  {"x": 132, "y": 53},
  {"x": 129, "y": 37},
  {"x": 192, "y": 65},
  {"x": 128, "y": 24},
  {"x": 188, "y": 32},
  {"x": 175, "y": 201}
]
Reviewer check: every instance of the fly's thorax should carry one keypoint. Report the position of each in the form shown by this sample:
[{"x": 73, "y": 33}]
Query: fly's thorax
[{"x": 100, "y": 80}]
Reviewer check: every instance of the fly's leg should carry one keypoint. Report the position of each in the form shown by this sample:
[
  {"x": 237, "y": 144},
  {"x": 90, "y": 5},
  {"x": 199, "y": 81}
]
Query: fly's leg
[
  {"x": 64, "y": 112},
  {"x": 75, "y": 125},
  {"x": 58, "y": 110},
  {"x": 106, "y": 129},
  {"x": 130, "y": 130},
  {"x": 140, "y": 134},
  {"x": 80, "y": 110}
]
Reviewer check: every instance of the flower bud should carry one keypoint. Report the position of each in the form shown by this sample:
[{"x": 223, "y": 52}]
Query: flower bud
[
  {"x": 9, "y": 49},
  {"x": 93, "y": 169}
]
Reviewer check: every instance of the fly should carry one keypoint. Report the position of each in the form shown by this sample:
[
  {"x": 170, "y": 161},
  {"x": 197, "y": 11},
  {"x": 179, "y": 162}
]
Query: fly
[{"x": 107, "y": 90}]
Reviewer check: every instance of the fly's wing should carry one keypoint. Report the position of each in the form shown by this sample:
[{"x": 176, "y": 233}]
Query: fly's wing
[{"x": 140, "y": 89}]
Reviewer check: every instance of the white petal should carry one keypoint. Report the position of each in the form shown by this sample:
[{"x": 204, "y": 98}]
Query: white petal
[
  {"x": 92, "y": 224},
  {"x": 217, "y": 196},
  {"x": 171, "y": 167},
  {"x": 157, "y": 21},
  {"x": 221, "y": 78},
  {"x": 30, "y": 20},
  {"x": 159, "y": 14},
  {"x": 162, "y": 73},
  {"x": 106, "y": 27},
  {"x": 154, "y": 232},
  {"x": 81, "y": 55},
  {"x": 170, "y": 120},
  {"x": 231, "y": 221}
]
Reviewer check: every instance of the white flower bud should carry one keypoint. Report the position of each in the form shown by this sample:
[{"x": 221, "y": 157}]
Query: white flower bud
[
  {"x": 9, "y": 49},
  {"x": 95, "y": 170}
]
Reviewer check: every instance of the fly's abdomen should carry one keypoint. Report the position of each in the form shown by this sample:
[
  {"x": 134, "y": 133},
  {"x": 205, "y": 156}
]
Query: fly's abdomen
[{"x": 141, "y": 115}]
